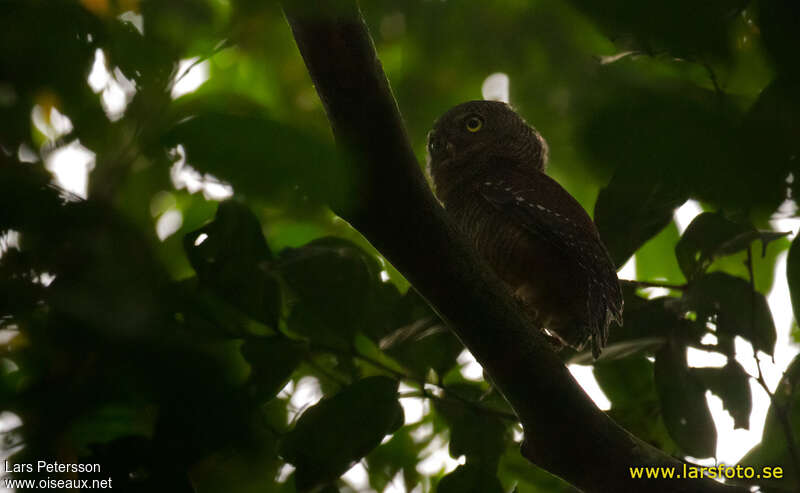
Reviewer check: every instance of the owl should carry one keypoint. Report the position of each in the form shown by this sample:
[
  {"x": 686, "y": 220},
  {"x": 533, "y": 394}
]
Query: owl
[{"x": 487, "y": 166}]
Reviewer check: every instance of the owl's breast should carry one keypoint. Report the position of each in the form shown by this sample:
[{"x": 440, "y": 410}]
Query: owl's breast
[{"x": 506, "y": 246}]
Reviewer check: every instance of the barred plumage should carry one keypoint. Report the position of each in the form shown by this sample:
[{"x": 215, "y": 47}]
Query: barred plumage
[{"x": 487, "y": 166}]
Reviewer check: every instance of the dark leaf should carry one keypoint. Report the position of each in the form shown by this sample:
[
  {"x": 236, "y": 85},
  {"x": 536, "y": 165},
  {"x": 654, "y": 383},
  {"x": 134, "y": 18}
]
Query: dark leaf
[
  {"x": 737, "y": 308},
  {"x": 711, "y": 235},
  {"x": 773, "y": 451},
  {"x": 261, "y": 157},
  {"x": 634, "y": 207},
  {"x": 272, "y": 361},
  {"x": 683, "y": 403},
  {"x": 470, "y": 478},
  {"x": 479, "y": 435},
  {"x": 338, "y": 431},
  {"x": 619, "y": 350},
  {"x": 731, "y": 384},
  {"x": 336, "y": 284},
  {"x": 793, "y": 275},
  {"x": 232, "y": 259}
]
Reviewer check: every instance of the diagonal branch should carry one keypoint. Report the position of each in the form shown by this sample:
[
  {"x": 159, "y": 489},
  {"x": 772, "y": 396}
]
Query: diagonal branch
[{"x": 565, "y": 432}]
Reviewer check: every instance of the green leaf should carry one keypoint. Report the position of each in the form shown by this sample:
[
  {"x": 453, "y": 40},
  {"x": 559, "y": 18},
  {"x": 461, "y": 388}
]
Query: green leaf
[
  {"x": 272, "y": 361},
  {"x": 620, "y": 350},
  {"x": 629, "y": 385},
  {"x": 338, "y": 431},
  {"x": 793, "y": 275},
  {"x": 479, "y": 435},
  {"x": 260, "y": 156},
  {"x": 400, "y": 453},
  {"x": 655, "y": 260},
  {"x": 683, "y": 403},
  {"x": 633, "y": 208},
  {"x": 731, "y": 384},
  {"x": 739, "y": 310},
  {"x": 232, "y": 259},
  {"x": 470, "y": 478},
  {"x": 528, "y": 478}
]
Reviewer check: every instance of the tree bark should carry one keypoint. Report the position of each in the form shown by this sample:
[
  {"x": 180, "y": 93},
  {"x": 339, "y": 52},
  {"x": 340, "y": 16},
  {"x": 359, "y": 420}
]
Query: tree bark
[{"x": 565, "y": 433}]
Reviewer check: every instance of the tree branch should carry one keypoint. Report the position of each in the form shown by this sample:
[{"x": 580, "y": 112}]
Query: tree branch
[{"x": 565, "y": 432}]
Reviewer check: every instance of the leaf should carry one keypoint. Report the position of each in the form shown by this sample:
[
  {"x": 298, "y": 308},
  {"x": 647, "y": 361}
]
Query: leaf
[
  {"x": 773, "y": 451},
  {"x": 338, "y": 431},
  {"x": 683, "y": 403},
  {"x": 400, "y": 453},
  {"x": 516, "y": 469},
  {"x": 232, "y": 259},
  {"x": 655, "y": 260},
  {"x": 260, "y": 156},
  {"x": 738, "y": 309},
  {"x": 711, "y": 235},
  {"x": 272, "y": 361},
  {"x": 620, "y": 350},
  {"x": 731, "y": 384},
  {"x": 419, "y": 339},
  {"x": 112, "y": 421},
  {"x": 793, "y": 275},
  {"x": 470, "y": 478},
  {"x": 336, "y": 284},
  {"x": 478, "y": 435},
  {"x": 633, "y": 208}
]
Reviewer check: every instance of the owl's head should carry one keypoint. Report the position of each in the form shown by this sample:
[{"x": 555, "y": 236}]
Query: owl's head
[{"x": 476, "y": 131}]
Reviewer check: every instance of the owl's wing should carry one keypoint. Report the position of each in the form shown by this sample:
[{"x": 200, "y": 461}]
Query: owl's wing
[{"x": 541, "y": 206}]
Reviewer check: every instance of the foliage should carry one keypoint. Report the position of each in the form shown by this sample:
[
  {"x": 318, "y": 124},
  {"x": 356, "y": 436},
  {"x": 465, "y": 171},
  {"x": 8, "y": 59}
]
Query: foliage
[{"x": 174, "y": 359}]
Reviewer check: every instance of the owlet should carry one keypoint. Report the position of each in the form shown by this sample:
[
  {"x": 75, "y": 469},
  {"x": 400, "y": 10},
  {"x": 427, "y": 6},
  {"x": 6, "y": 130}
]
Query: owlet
[{"x": 487, "y": 166}]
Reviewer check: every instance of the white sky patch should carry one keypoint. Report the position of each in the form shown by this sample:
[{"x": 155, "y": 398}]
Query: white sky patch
[
  {"x": 686, "y": 213},
  {"x": 655, "y": 292},
  {"x": 710, "y": 339},
  {"x": 422, "y": 432},
  {"x": 496, "y": 87},
  {"x": 585, "y": 377},
  {"x": 9, "y": 239},
  {"x": 184, "y": 176},
  {"x": 169, "y": 222},
  {"x": 200, "y": 239},
  {"x": 414, "y": 408},
  {"x": 470, "y": 368},
  {"x": 52, "y": 125},
  {"x": 697, "y": 358},
  {"x": 116, "y": 90},
  {"x": 628, "y": 271},
  {"x": 134, "y": 19},
  {"x": 397, "y": 484},
  {"x": 358, "y": 477},
  {"x": 71, "y": 165},
  {"x": 306, "y": 394},
  {"x": 284, "y": 472},
  {"x": 437, "y": 459},
  {"x": 27, "y": 155},
  {"x": 99, "y": 76},
  {"x": 190, "y": 76}
]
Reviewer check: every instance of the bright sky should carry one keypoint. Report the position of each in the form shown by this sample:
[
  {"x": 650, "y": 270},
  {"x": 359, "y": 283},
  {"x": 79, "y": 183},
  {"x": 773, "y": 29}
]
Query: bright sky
[{"x": 72, "y": 164}]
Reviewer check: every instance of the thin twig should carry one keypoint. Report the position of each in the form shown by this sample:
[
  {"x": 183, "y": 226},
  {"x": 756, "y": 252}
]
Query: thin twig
[
  {"x": 654, "y": 284},
  {"x": 453, "y": 396}
]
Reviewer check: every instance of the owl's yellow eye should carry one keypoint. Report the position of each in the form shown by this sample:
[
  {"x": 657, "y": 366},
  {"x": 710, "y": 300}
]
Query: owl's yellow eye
[{"x": 474, "y": 123}]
